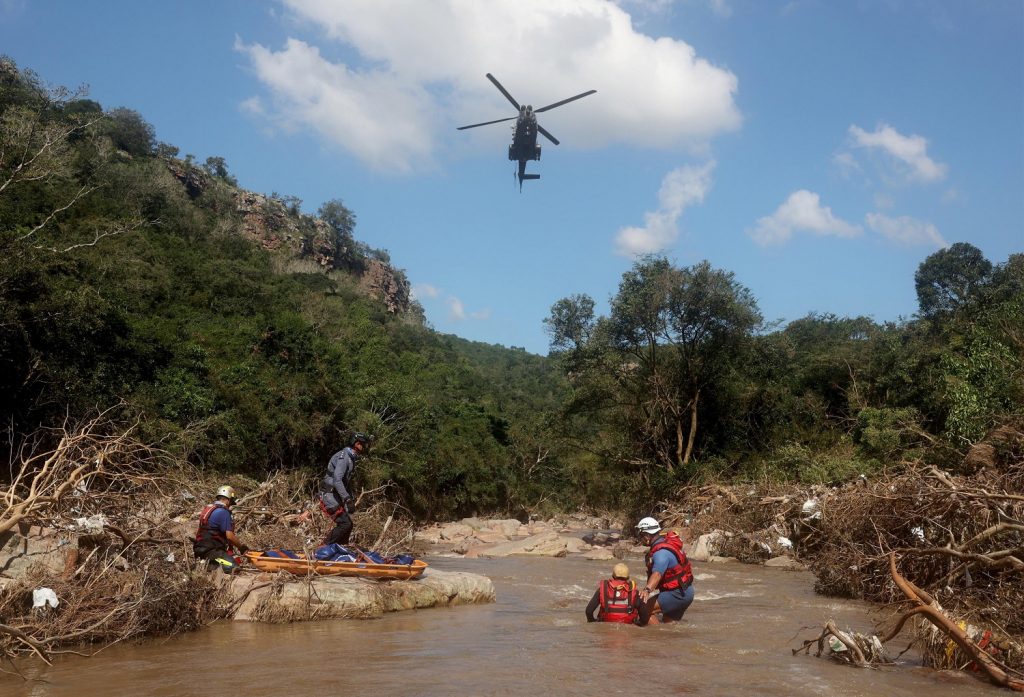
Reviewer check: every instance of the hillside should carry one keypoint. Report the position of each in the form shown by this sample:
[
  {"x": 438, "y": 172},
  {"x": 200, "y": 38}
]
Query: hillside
[{"x": 240, "y": 333}]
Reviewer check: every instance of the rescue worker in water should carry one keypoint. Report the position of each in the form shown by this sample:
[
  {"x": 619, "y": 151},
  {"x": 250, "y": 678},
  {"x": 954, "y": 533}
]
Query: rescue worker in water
[
  {"x": 618, "y": 600},
  {"x": 668, "y": 571},
  {"x": 215, "y": 539}
]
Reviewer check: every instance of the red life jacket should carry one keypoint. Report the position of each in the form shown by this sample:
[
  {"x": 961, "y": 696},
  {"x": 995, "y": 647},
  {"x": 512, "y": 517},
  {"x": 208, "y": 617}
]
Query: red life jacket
[
  {"x": 206, "y": 537},
  {"x": 618, "y": 601},
  {"x": 678, "y": 576}
]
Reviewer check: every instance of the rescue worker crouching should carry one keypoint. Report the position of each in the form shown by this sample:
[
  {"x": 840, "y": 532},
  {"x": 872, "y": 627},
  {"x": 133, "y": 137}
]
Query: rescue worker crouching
[
  {"x": 618, "y": 600},
  {"x": 215, "y": 539},
  {"x": 335, "y": 488},
  {"x": 668, "y": 571}
]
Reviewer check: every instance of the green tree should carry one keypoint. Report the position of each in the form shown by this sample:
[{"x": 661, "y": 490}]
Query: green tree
[
  {"x": 949, "y": 278},
  {"x": 216, "y": 167},
  {"x": 130, "y": 132},
  {"x": 672, "y": 334}
]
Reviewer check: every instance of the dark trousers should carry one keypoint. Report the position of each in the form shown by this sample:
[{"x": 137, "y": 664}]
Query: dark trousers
[
  {"x": 342, "y": 529},
  {"x": 221, "y": 558}
]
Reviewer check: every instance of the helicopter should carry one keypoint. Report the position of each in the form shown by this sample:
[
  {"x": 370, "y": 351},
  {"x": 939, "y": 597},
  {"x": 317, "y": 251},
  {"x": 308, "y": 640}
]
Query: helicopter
[{"x": 524, "y": 136}]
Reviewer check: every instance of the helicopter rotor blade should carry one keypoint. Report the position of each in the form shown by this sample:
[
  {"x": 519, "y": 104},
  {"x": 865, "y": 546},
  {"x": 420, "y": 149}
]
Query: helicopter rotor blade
[
  {"x": 486, "y": 123},
  {"x": 564, "y": 101},
  {"x": 503, "y": 90},
  {"x": 543, "y": 132}
]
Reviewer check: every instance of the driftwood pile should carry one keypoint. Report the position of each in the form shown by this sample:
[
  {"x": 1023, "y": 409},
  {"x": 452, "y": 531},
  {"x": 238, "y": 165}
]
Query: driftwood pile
[
  {"x": 955, "y": 535},
  {"x": 120, "y": 517}
]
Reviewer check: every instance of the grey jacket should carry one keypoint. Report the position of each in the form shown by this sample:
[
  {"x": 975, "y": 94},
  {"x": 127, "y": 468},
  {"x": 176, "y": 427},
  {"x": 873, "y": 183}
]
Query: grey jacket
[{"x": 337, "y": 482}]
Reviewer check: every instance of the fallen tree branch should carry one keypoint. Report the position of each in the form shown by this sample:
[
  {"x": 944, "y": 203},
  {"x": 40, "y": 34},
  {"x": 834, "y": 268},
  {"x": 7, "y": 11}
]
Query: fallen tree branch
[
  {"x": 995, "y": 674},
  {"x": 37, "y": 647}
]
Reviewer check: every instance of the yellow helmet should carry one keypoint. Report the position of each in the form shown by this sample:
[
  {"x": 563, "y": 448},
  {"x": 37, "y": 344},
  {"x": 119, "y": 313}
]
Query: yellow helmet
[
  {"x": 227, "y": 492},
  {"x": 620, "y": 571}
]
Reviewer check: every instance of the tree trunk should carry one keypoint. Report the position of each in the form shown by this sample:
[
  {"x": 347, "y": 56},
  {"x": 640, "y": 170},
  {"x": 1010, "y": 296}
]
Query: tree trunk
[
  {"x": 693, "y": 428},
  {"x": 679, "y": 441}
]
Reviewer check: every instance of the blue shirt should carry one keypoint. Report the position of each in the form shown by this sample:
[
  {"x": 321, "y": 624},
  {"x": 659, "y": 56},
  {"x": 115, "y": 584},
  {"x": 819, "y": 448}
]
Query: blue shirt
[
  {"x": 663, "y": 561},
  {"x": 220, "y": 520}
]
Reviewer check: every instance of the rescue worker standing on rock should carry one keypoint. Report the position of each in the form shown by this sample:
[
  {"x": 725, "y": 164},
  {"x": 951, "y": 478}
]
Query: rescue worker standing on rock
[
  {"x": 668, "y": 571},
  {"x": 335, "y": 488},
  {"x": 215, "y": 539},
  {"x": 618, "y": 600}
]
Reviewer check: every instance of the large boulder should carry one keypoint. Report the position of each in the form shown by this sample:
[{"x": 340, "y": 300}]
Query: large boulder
[
  {"x": 28, "y": 545},
  {"x": 545, "y": 544},
  {"x": 454, "y": 532},
  {"x": 329, "y": 597},
  {"x": 708, "y": 546},
  {"x": 784, "y": 562}
]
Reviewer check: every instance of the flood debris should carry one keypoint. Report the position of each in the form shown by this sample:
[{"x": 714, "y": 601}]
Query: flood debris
[
  {"x": 956, "y": 529},
  {"x": 861, "y": 650},
  {"x": 104, "y": 523}
]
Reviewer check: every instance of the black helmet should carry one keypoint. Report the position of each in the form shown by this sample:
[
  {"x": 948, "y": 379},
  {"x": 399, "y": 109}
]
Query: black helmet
[{"x": 361, "y": 438}]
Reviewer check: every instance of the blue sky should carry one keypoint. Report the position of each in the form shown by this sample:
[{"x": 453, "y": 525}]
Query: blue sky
[{"x": 818, "y": 149}]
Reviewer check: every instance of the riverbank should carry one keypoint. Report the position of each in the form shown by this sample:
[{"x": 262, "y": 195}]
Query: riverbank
[
  {"x": 943, "y": 547},
  {"x": 110, "y": 558}
]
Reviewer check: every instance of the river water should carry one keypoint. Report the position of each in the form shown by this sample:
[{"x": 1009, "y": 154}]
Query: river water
[{"x": 736, "y": 639}]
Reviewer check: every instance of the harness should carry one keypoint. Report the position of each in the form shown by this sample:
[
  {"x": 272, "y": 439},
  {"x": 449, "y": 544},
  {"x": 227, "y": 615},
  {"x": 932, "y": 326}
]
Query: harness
[
  {"x": 338, "y": 512},
  {"x": 618, "y": 599},
  {"x": 206, "y": 537},
  {"x": 678, "y": 576}
]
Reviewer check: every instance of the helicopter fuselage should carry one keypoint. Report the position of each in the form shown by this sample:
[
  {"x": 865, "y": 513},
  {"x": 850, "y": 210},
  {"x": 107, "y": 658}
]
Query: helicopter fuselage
[
  {"x": 524, "y": 142},
  {"x": 524, "y": 139}
]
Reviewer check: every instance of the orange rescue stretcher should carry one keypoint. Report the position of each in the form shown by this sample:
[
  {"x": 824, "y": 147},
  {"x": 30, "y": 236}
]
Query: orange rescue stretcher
[{"x": 297, "y": 563}]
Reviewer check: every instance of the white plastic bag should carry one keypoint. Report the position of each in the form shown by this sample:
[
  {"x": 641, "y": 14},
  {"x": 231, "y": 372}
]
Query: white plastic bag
[{"x": 44, "y": 596}]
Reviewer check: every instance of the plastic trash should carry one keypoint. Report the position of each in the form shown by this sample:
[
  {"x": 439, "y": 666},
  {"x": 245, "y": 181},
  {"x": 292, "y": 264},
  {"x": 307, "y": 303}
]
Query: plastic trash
[
  {"x": 785, "y": 542},
  {"x": 44, "y": 596},
  {"x": 170, "y": 558},
  {"x": 93, "y": 524},
  {"x": 810, "y": 509}
]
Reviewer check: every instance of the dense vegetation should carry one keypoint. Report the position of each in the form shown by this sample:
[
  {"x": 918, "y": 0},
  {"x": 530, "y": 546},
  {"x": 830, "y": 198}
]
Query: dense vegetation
[
  {"x": 682, "y": 380},
  {"x": 128, "y": 287}
]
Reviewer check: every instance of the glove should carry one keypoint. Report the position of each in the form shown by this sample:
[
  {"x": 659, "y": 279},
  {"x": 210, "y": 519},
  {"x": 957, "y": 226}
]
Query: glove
[{"x": 350, "y": 505}]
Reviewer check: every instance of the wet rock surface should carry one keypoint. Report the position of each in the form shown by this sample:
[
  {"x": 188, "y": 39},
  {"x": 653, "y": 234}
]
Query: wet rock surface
[{"x": 263, "y": 599}]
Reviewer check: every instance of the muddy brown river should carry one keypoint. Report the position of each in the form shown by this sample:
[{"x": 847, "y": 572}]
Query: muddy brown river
[{"x": 736, "y": 639}]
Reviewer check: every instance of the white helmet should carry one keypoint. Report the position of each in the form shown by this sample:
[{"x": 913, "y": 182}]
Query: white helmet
[
  {"x": 227, "y": 492},
  {"x": 649, "y": 525}
]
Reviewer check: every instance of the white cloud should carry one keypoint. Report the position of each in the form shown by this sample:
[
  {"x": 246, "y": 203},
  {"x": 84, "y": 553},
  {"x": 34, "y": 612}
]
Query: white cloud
[
  {"x": 801, "y": 212},
  {"x": 846, "y": 163},
  {"x": 429, "y": 293},
  {"x": 419, "y": 70},
  {"x": 457, "y": 311},
  {"x": 909, "y": 153},
  {"x": 360, "y": 111},
  {"x": 906, "y": 230},
  {"x": 425, "y": 290},
  {"x": 680, "y": 188},
  {"x": 254, "y": 106}
]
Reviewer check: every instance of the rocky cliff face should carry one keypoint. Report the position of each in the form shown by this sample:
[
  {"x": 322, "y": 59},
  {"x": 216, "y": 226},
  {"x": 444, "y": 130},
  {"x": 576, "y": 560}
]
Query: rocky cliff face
[
  {"x": 269, "y": 222},
  {"x": 380, "y": 281}
]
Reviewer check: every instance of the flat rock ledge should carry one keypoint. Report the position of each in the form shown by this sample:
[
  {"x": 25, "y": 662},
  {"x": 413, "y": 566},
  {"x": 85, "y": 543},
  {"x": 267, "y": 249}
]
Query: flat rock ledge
[{"x": 270, "y": 598}]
